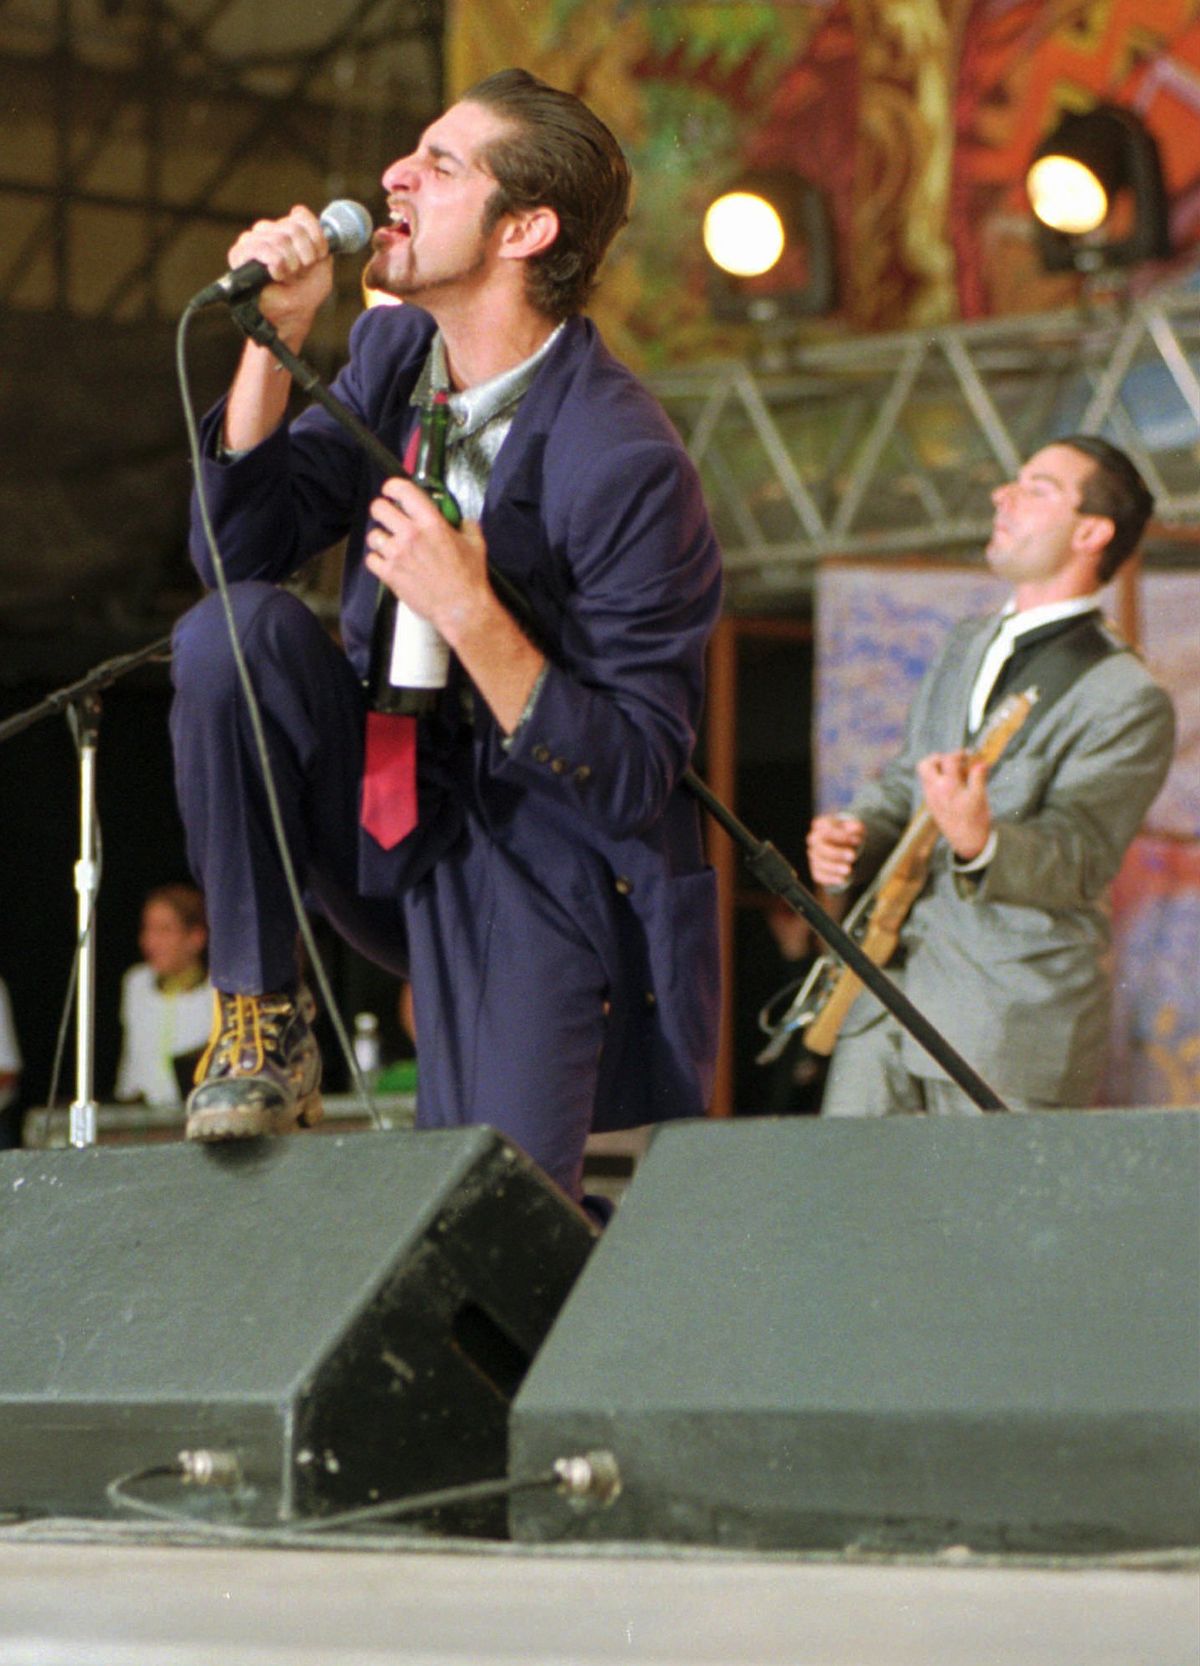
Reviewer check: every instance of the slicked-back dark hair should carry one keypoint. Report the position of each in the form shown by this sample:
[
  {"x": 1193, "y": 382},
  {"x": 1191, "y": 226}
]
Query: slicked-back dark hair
[
  {"x": 560, "y": 156},
  {"x": 1116, "y": 490}
]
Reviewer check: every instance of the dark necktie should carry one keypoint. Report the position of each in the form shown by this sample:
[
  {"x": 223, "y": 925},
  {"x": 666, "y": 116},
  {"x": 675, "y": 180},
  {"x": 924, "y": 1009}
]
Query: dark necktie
[{"x": 1024, "y": 648}]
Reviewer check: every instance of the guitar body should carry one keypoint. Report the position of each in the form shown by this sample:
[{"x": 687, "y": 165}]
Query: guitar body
[{"x": 876, "y": 920}]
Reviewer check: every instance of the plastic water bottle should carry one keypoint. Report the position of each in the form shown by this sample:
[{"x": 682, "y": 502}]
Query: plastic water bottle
[{"x": 366, "y": 1045}]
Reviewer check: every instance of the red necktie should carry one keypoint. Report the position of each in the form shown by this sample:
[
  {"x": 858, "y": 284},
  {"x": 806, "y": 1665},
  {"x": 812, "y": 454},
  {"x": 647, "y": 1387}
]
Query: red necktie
[{"x": 389, "y": 789}]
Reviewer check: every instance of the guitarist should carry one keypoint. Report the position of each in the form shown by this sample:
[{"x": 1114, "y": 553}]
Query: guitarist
[{"x": 1004, "y": 949}]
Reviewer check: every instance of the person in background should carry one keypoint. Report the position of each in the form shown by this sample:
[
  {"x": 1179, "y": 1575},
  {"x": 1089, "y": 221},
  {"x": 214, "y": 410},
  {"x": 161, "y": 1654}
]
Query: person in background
[
  {"x": 166, "y": 1000},
  {"x": 10, "y": 1064}
]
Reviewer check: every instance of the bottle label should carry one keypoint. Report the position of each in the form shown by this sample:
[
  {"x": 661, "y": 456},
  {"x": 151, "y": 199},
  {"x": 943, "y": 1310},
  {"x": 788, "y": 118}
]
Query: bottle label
[{"x": 420, "y": 655}]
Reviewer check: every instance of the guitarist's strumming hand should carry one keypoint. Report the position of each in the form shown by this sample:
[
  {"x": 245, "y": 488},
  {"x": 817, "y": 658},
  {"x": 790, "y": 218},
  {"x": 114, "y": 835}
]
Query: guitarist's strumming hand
[
  {"x": 833, "y": 844},
  {"x": 956, "y": 808},
  {"x": 955, "y": 788}
]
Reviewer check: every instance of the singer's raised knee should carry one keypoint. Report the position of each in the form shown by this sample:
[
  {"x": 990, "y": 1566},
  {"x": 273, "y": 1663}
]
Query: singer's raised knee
[{"x": 271, "y": 620}]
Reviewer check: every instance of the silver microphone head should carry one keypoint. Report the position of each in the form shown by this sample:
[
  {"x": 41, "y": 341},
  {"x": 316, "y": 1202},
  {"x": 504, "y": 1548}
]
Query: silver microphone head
[{"x": 347, "y": 226}]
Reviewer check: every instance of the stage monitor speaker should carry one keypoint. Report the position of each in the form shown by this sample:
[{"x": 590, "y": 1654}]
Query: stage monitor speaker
[
  {"x": 900, "y": 1334},
  {"x": 349, "y": 1316}
]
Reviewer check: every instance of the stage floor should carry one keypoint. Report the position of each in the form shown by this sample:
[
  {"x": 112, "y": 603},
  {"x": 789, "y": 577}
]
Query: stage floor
[{"x": 70, "y": 1602}]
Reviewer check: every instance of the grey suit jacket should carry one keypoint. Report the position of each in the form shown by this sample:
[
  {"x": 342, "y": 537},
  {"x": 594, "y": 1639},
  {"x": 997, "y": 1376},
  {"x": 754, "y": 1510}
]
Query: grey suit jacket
[{"x": 1011, "y": 964}]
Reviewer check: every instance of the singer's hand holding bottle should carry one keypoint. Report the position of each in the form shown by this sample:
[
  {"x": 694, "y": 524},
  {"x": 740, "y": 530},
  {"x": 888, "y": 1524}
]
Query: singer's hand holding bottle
[
  {"x": 410, "y": 657},
  {"x": 440, "y": 572}
]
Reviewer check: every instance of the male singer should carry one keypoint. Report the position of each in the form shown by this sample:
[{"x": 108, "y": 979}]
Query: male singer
[
  {"x": 552, "y": 906},
  {"x": 1005, "y": 950}
]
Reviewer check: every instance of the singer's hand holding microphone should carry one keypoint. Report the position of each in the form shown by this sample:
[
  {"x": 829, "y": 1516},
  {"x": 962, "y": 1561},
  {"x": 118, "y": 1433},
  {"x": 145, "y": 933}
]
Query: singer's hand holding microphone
[
  {"x": 433, "y": 573},
  {"x": 292, "y": 254}
]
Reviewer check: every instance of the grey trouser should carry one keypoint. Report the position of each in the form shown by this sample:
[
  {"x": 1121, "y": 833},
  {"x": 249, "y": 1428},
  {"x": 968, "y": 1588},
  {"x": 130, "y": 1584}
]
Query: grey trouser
[{"x": 868, "y": 1077}]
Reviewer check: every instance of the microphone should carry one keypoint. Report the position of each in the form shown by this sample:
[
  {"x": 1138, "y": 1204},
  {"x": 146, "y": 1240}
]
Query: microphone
[{"x": 347, "y": 226}]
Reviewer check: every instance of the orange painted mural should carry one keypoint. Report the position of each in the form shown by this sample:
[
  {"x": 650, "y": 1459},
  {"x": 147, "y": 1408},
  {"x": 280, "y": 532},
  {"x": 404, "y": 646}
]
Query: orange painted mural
[{"x": 1024, "y": 64}]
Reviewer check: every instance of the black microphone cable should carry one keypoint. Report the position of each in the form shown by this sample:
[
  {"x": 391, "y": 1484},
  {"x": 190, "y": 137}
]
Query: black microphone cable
[{"x": 255, "y": 715}]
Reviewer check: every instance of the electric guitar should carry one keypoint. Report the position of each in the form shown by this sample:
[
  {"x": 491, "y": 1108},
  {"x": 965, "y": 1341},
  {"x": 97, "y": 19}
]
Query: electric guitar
[{"x": 830, "y": 989}]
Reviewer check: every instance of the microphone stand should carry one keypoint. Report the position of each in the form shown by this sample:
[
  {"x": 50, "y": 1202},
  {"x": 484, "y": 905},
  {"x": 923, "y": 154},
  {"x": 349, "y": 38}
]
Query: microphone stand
[
  {"x": 82, "y": 699},
  {"x": 768, "y": 866},
  {"x": 773, "y": 871}
]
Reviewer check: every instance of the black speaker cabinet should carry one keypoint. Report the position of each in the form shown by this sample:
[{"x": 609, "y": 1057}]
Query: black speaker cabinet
[
  {"x": 350, "y": 1316},
  {"x": 903, "y": 1333}
]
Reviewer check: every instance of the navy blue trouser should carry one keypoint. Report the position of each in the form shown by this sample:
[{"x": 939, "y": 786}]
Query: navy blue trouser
[{"x": 509, "y": 995}]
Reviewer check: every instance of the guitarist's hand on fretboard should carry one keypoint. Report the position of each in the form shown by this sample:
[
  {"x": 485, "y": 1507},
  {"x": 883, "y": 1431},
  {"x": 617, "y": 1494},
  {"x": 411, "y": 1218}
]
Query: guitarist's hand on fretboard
[
  {"x": 955, "y": 788},
  {"x": 833, "y": 844}
]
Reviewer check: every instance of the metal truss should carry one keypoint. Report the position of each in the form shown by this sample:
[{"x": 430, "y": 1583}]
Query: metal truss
[
  {"x": 137, "y": 135},
  {"x": 890, "y": 445}
]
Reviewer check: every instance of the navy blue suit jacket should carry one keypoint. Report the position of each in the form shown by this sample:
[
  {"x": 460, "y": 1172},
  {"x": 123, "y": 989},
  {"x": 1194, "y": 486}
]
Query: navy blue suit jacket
[{"x": 595, "y": 512}]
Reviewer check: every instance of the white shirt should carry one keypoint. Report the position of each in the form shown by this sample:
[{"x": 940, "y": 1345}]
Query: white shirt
[
  {"x": 157, "y": 1026},
  {"x": 482, "y": 417},
  {"x": 1014, "y": 625}
]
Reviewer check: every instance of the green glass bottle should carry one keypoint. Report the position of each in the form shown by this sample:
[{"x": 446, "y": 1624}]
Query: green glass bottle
[{"x": 409, "y": 659}]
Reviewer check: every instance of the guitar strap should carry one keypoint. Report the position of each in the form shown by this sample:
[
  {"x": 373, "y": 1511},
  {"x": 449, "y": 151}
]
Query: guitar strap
[{"x": 1055, "y": 659}]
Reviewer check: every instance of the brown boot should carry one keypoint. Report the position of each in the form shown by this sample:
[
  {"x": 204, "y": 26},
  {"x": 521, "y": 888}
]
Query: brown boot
[{"x": 261, "y": 1070}]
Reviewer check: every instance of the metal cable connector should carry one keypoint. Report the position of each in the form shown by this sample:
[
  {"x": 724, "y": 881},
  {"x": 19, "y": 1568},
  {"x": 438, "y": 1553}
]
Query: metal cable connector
[
  {"x": 593, "y": 1477},
  {"x": 207, "y": 1468}
]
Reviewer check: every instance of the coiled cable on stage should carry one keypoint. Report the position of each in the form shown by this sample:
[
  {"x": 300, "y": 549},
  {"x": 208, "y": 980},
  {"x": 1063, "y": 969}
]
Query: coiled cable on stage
[{"x": 589, "y": 1478}]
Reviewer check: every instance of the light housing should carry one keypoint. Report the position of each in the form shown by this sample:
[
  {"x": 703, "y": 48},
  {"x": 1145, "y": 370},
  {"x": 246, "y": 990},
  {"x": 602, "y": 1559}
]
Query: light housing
[
  {"x": 1095, "y": 185},
  {"x": 792, "y": 217}
]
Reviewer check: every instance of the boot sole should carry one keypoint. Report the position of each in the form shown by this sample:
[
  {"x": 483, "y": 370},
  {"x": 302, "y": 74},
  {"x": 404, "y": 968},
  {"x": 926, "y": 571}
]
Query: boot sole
[{"x": 212, "y": 1123}]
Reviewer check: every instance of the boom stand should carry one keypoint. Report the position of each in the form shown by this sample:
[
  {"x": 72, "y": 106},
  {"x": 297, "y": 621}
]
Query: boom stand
[
  {"x": 772, "y": 869},
  {"x": 766, "y": 863},
  {"x": 83, "y": 699}
]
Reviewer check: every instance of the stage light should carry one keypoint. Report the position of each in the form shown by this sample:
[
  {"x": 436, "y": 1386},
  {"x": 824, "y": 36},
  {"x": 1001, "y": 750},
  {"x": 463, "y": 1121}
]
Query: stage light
[
  {"x": 743, "y": 234},
  {"x": 769, "y": 239},
  {"x": 1066, "y": 195},
  {"x": 1096, "y": 188}
]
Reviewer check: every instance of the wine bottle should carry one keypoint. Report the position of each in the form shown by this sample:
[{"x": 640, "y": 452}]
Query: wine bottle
[{"x": 409, "y": 658}]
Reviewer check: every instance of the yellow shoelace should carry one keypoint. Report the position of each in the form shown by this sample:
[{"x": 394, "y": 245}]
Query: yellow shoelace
[{"x": 247, "y": 1021}]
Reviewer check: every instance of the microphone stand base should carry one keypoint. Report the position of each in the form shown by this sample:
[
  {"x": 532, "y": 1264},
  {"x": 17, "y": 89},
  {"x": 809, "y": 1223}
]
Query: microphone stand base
[{"x": 82, "y": 1126}]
